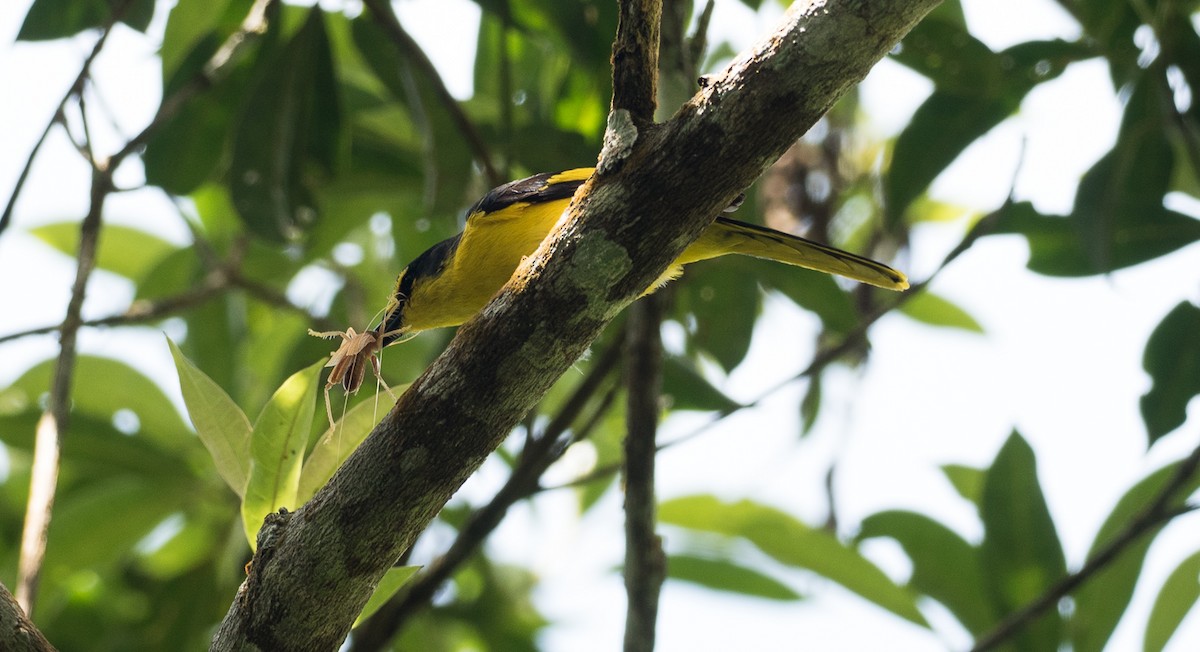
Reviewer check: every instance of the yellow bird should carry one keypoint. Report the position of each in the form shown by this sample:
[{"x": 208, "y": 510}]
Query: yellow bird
[{"x": 454, "y": 279}]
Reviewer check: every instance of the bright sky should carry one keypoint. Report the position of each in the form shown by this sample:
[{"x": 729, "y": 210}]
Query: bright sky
[{"x": 1061, "y": 360}]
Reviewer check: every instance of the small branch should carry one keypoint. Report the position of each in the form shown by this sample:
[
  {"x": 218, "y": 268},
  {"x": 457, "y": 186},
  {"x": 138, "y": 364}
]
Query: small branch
[
  {"x": 141, "y": 312},
  {"x": 386, "y": 17},
  {"x": 1158, "y": 513},
  {"x": 538, "y": 454},
  {"x": 54, "y": 421},
  {"x": 645, "y": 562},
  {"x": 17, "y": 632},
  {"x": 635, "y": 59},
  {"x": 58, "y": 118}
]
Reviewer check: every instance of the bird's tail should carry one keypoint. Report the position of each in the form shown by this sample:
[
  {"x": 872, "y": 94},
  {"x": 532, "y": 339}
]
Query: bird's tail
[{"x": 727, "y": 236}]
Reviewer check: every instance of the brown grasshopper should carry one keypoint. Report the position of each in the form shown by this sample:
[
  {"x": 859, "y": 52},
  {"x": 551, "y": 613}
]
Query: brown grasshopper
[{"x": 349, "y": 361}]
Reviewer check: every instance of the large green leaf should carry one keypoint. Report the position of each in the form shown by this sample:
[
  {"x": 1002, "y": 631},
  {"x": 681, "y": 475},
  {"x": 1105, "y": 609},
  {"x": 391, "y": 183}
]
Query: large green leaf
[
  {"x": 1172, "y": 358},
  {"x": 929, "y": 308},
  {"x": 1056, "y": 247},
  {"x": 1176, "y": 598},
  {"x": 1020, "y": 555},
  {"x": 944, "y": 566},
  {"x": 53, "y": 19},
  {"x": 443, "y": 148},
  {"x": 689, "y": 390},
  {"x": 221, "y": 425},
  {"x": 726, "y": 575},
  {"x": 277, "y": 448},
  {"x": 723, "y": 300},
  {"x": 340, "y": 440},
  {"x": 1100, "y": 602},
  {"x": 123, "y": 250},
  {"x": 289, "y": 131},
  {"x": 99, "y": 523},
  {"x": 975, "y": 90},
  {"x": 189, "y": 23},
  {"x": 791, "y": 542},
  {"x": 102, "y": 387}
]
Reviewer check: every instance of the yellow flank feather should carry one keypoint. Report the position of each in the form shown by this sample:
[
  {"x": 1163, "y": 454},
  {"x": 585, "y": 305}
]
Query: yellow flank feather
[{"x": 454, "y": 279}]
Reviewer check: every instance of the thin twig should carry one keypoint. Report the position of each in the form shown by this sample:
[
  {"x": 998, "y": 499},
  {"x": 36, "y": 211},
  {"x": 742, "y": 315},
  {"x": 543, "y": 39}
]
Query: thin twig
[
  {"x": 54, "y": 421},
  {"x": 645, "y": 562},
  {"x": 76, "y": 88},
  {"x": 1157, "y": 513},
  {"x": 386, "y": 17},
  {"x": 539, "y": 453}
]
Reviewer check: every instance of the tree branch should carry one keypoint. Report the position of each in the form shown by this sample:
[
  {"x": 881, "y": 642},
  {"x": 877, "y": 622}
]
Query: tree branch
[
  {"x": 635, "y": 59},
  {"x": 536, "y": 457},
  {"x": 645, "y": 562},
  {"x": 17, "y": 632},
  {"x": 659, "y": 191}
]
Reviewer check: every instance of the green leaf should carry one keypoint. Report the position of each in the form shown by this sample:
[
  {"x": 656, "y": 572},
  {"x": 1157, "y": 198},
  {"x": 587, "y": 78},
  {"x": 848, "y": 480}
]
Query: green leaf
[
  {"x": 725, "y": 575},
  {"x": 391, "y": 582},
  {"x": 1056, "y": 247},
  {"x": 689, "y": 390},
  {"x": 819, "y": 294},
  {"x": 1177, "y": 597},
  {"x": 192, "y": 545},
  {"x": 189, "y": 23},
  {"x": 945, "y": 567},
  {"x": 340, "y": 440},
  {"x": 929, "y": 308},
  {"x": 724, "y": 298},
  {"x": 976, "y": 89},
  {"x": 53, "y": 19},
  {"x": 1172, "y": 358},
  {"x": 277, "y": 448},
  {"x": 289, "y": 129},
  {"x": 98, "y": 524},
  {"x": 791, "y": 542},
  {"x": 222, "y": 427},
  {"x": 967, "y": 481},
  {"x": 102, "y": 387},
  {"x": 123, "y": 250},
  {"x": 1101, "y": 601},
  {"x": 1021, "y": 555}
]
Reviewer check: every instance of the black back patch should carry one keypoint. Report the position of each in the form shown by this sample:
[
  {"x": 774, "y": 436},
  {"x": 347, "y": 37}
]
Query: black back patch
[{"x": 530, "y": 190}]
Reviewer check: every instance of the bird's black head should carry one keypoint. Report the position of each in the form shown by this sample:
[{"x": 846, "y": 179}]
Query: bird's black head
[{"x": 428, "y": 265}]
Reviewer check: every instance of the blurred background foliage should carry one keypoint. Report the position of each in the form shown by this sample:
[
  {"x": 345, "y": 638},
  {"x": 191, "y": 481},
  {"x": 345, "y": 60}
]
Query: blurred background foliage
[{"x": 329, "y": 152}]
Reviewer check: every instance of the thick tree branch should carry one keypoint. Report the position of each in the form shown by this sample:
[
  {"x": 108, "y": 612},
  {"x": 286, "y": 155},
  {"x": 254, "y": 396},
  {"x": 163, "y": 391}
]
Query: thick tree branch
[
  {"x": 537, "y": 456},
  {"x": 17, "y": 632},
  {"x": 625, "y": 226}
]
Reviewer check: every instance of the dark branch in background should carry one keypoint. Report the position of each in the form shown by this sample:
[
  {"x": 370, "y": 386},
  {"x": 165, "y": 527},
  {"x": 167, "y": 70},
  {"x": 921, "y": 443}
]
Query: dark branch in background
[
  {"x": 53, "y": 424},
  {"x": 539, "y": 453},
  {"x": 1154, "y": 515},
  {"x": 635, "y": 69},
  {"x": 315, "y": 568},
  {"x": 387, "y": 19},
  {"x": 645, "y": 562}
]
